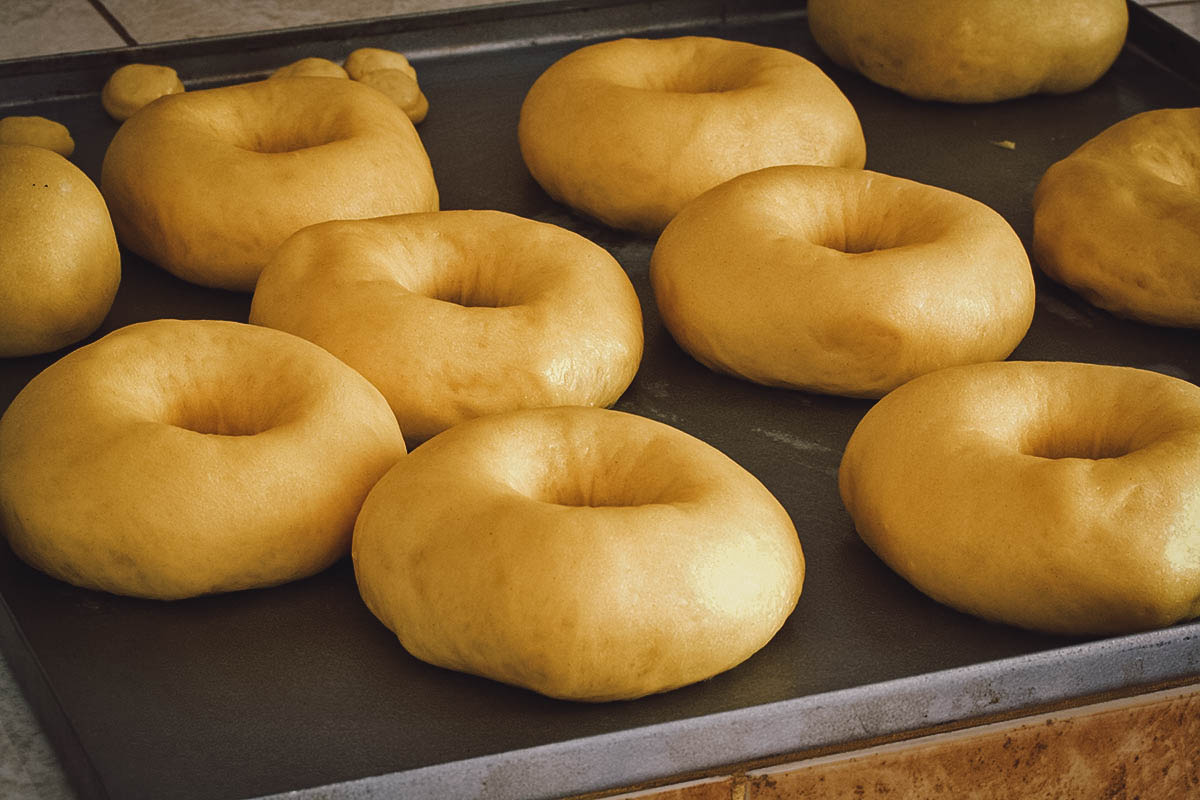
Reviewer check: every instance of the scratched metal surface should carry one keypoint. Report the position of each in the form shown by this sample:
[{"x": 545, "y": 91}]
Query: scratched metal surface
[{"x": 298, "y": 688}]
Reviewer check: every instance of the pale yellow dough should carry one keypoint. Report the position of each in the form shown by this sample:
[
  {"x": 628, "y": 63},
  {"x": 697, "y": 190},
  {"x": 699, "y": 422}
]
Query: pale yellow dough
[
  {"x": 37, "y": 132},
  {"x": 628, "y": 131},
  {"x": 134, "y": 86},
  {"x": 1118, "y": 220},
  {"x": 457, "y": 314},
  {"x": 842, "y": 281},
  {"x": 312, "y": 67},
  {"x": 972, "y": 51},
  {"x": 369, "y": 59},
  {"x": 179, "y": 458},
  {"x": 586, "y": 554},
  {"x": 208, "y": 184},
  {"x": 59, "y": 262},
  {"x": 1054, "y": 496}
]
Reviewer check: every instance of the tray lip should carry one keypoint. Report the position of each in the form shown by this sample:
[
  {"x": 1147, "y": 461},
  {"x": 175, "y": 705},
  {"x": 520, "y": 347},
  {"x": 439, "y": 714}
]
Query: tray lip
[{"x": 581, "y": 765}]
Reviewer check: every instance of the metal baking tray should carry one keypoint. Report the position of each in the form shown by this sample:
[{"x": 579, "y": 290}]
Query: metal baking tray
[{"x": 299, "y": 690}]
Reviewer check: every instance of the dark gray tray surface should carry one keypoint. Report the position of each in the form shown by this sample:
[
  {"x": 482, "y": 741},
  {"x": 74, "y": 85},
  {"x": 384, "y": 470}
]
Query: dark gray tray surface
[{"x": 297, "y": 687}]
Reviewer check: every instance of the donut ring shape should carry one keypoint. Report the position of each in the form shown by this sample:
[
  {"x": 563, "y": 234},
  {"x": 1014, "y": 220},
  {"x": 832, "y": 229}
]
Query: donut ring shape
[
  {"x": 972, "y": 51},
  {"x": 458, "y": 314},
  {"x": 586, "y": 554},
  {"x": 1053, "y": 496},
  {"x": 208, "y": 183},
  {"x": 841, "y": 281},
  {"x": 1118, "y": 220},
  {"x": 178, "y": 458},
  {"x": 628, "y": 131}
]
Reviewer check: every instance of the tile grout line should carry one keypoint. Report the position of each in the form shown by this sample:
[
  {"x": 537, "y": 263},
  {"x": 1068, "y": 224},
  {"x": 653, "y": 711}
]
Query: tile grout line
[{"x": 113, "y": 22}]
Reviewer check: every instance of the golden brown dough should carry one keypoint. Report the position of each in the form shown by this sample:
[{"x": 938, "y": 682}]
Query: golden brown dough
[
  {"x": 1055, "y": 496},
  {"x": 841, "y": 281},
  {"x": 972, "y": 51},
  {"x": 134, "y": 86},
  {"x": 1118, "y": 220},
  {"x": 628, "y": 131},
  {"x": 583, "y": 553},
  {"x": 178, "y": 458},
  {"x": 37, "y": 132},
  {"x": 59, "y": 262},
  {"x": 311, "y": 67}
]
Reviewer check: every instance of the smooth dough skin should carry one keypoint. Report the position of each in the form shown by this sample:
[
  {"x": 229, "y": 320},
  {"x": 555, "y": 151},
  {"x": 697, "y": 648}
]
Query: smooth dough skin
[
  {"x": 207, "y": 184},
  {"x": 178, "y": 458},
  {"x": 841, "y": 281},
  {"x": 457, "y": 314},
  {"x": 37, "y": 131},
  {"x": 586, "y": 554},
  {"x": 59, "y": 262},
  {"x": 1118, "y": 220},
  {"x": 134, "y": 86},
  {"x": 1053, "y": 496},
  {"x": 628, "y": 131},
  {"x": 972, "y": 51}
]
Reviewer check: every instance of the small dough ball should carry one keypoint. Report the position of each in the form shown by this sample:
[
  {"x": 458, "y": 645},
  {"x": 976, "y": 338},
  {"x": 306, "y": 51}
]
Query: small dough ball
[
  {"x": 312, "y": 67},
  {"x": 403, "y": 90},
  {"x": 136, "y": 85},
  {"x": 972, "y": 51},
  {"x": 1118, "y": 220},
  {"x": 37, "y": 132},
  {"x": 59, "y": 263},
  {"x": 370, "y": 59},
  {"x": 583, "y": 553}
]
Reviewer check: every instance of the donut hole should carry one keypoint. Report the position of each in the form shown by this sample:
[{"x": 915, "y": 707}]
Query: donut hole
[
  {"x": 287, "y": 140},
  {"x": 589, "y": 475},
  {"x": 215, "y": 413},
  {"x": 1079, "y": 442}
]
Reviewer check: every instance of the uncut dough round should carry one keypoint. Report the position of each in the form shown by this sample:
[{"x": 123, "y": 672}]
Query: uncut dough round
[
  {"x": 628, "y": 131},
  {"x": 59, "y": 263},
  {"x": 972, "y": 51},
  {"x": 403, "y": 90},
  {"x": 38, "y": 132},
  {"x": 207, "y": 184},
  {"x": 1049, "y": 495},
  {"x": 178, "y": 458},
  {"x": 586, "y": 554},
  {"x": 311, "y": 67},
  {"x": 135, "y": 86},
  {"x": 1118, "y": 220},
  {"x": 457, "y": 314},
  {"x": 371, "y": 59},
  {"x": 841, "y": 281}
]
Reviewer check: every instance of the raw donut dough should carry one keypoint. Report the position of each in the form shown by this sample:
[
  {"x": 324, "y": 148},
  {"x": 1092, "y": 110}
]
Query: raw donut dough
[
  {"x": 208, "y": 184},
  {"x": 59, "y": 262},
  {"x": 628, "y": 131},
  {"x": 312, "y": 67},
  {"x": 456, "y": 314},
  {"x": 135, "y": 86},
  {"x": 1055, "y": 496},
  {"x": 583, "y": 553},
  {"x": 178, "y": 458},
  {"x": 1118, "y": 220},
  {"x": 37, "y": 132},
  {"x": 402, "y": 89},
  {"x": 841, "y": 281},
  {"x": 369, "y": 59},
  {"x": 972, "y": 51}
]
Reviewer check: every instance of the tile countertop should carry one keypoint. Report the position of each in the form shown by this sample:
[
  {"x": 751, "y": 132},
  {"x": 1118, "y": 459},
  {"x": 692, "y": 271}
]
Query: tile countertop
[{"x": 28, "y": 767}]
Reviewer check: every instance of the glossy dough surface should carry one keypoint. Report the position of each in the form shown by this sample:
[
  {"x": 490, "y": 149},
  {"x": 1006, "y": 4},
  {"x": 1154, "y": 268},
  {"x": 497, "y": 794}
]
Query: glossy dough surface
[
  {"x": 972, "y": 51},
  {"x": 1054, "y": 496},
  {"x": 584, "y": 553},
  {"x": 628, "y": 131},
  {"x": 207, "y": 184},
  {"x": 1118, "y": 220},
  {"x": 178, "y": 458},
  {"x": 841, "y": 281},
  {"x": 457, "y": 314},
  {"x": 59, "y": 262}
]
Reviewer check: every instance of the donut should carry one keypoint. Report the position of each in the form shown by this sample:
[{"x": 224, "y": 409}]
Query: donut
[
  {"x": 175, "y": 458},
  {"x": 841, "y": 281},
  {"x": 1118, "y": 220},
  {"x": 135, "y": 86},
  {"x": 628, "y": 131},
  {"x": 59, "y": 263},
  {"x": 457, "y": 314},
  {"x": 972, "y": 51},
  {"x": 365, "y": 60},
  {"x": 402, "y": 89},
  {"x": 311, "y": 67},
  {"x": 37, "y": 131},
  {"x": 1052, "y": 496},
  {"x": 583, "y": 553},
  {"x": 207, "y": 184}
]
